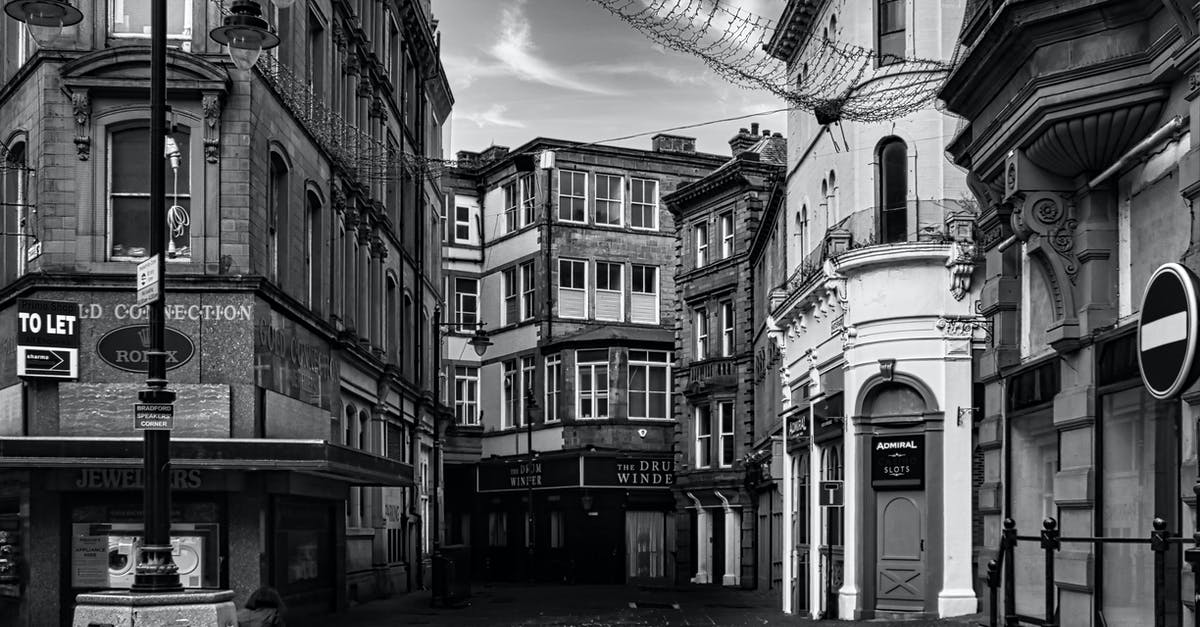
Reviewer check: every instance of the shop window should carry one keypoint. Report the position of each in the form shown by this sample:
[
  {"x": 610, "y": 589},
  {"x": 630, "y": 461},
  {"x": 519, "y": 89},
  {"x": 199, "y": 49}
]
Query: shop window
[
  {"x": 649, "y": 384},
  {"x": 1032, "y": 448},
  {"x": 497, "y": 529},
  {"x": 558, "y": 530},
  {"x": 129, "y": 194},
  {"x": 831, "y": 470}
]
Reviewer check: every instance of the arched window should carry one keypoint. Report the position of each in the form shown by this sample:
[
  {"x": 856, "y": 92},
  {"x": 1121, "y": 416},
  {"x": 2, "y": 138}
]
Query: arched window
[
  {"x": 410, "y": 353},
  {"x": 833, "y": 27},
  {"x": 890, "y": 25},
  {"x": 13, "y": 185},
  {"x": 364, "y": 430},
  {"x": 831, "y": 469},
  {"x": 391, "y": 327},
  {"x": 277, "y": 216},
  {"x": 350, "y": 424},
  {"x": 312, "y": 251},
  {"x": 893, "y": 190},
  {"x": 833, "y": 207}
]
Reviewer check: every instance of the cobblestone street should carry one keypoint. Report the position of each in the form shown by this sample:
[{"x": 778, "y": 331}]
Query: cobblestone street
[{"x": 591, "y": 606}]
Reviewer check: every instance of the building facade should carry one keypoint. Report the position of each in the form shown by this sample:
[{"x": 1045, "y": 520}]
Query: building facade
[
  {"x": 559, "y": 465},
  {"x": 876, "y": 327},
  {"x": 1087, "y": 179},
  {"x": 303, "y": 279},
  {"x": 726, "y": 508}
]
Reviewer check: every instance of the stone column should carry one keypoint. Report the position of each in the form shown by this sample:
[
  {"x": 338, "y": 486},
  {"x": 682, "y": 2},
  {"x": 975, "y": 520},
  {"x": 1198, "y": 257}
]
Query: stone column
[
  {"x": 703, "y": 543},
  {"x": 733, "y": 543}
]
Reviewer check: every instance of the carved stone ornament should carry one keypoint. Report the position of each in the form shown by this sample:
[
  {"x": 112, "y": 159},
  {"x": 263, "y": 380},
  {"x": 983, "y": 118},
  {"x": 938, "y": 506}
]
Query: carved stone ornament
[
  {"x": 961, "y": 263},
  {"x": 960, "y": 328},
  {"x": 339, "y": 36},
  {"x": 339, "y": 199},
  {"x": 82, "y": 109},
  {"x": 211, "y": 106},
  {"x": 1053, "y": 218},
  {"x": 887, "y": 369}
]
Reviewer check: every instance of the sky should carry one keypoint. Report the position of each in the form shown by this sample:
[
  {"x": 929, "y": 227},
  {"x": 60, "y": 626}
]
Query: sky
[{"x": 569, "y": 69}]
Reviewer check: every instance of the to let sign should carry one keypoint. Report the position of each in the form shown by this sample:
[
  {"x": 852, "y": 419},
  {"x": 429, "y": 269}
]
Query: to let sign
[
  {"x": 831, "y": 494},
  {"x": 1167, "y": 331},
  {"x": 898, "y": 461},
  {"x": 153, "y": 416},
  {"x": 47, "y": 339}
]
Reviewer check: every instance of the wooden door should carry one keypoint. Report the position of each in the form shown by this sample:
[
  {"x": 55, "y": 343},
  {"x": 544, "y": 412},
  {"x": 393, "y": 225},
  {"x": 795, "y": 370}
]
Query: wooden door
[{"x": 900, "y": 567}]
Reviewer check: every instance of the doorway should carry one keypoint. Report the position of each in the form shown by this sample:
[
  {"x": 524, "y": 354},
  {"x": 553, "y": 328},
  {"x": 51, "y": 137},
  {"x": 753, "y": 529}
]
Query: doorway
[
  {"x": 645, "y": 547},
  {"x": 900, "y": 540}
]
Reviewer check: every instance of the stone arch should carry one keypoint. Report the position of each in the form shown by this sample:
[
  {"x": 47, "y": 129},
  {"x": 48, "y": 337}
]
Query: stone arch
[{"x": 895, "y": 385}]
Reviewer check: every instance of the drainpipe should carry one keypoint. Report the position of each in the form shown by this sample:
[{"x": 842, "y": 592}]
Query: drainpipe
[{"x": 1173, "y": 126}]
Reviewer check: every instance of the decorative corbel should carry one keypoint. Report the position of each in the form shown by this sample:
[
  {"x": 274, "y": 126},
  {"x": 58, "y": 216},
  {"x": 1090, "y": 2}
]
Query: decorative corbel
[
  {"x": 1052, "y": 216},
  {"x": 887, "y": 369},
  {"x": 211, "y": 106},
  {"x": 82, "y": 109},
  {"x": 835, "y": 282},
  {"x": 961, "y": 262}
]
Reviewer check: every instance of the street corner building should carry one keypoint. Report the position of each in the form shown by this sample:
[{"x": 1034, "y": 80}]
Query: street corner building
[
  {"x": 1087, "y": 180},
  {"x": 866, "y": 283},
  {"x": 728, "y": 511},
  {"x": 302, "y": 289},
  {"x": 558, "y": 462}
]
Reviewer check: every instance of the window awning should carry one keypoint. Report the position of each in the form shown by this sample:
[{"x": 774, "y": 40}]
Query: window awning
[{"x": 338, "y": 462}]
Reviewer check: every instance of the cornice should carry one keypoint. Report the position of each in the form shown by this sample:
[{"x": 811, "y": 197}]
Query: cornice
[{"x": 861, "y": 259}]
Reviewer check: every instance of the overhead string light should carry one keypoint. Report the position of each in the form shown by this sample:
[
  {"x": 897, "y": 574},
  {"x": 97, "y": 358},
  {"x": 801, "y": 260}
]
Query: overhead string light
[{"x": 835, "y": 80}]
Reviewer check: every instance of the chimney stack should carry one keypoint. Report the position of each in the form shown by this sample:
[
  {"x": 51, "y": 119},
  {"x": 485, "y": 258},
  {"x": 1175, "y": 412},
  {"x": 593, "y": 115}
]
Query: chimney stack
[
  {"x": 673, "y": 143},
  {"x": 744, "y": 140}
]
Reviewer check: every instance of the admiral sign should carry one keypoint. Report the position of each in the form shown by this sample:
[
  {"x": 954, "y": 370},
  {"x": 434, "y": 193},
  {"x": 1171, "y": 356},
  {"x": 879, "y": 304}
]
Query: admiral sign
[
  {"x": 898, "y": 461},
  {"x": 47, "y": 339},
  {"x": 1167, "y": 331}
]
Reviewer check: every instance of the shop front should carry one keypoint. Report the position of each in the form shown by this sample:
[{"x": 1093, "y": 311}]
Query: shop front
[{"x": 575, "y": 517}]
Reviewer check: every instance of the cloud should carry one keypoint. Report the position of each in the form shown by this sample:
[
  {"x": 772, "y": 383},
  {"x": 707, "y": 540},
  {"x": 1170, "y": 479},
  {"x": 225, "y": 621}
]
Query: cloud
[
  {"x": 517, "y": 55},
  {"x": 674, "y": 76},
  {"x": 492, "y": 116}
]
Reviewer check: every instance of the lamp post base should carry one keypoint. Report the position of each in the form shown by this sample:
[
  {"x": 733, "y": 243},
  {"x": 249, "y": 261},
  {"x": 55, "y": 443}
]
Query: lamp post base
[{"x": 209, "y": 608}]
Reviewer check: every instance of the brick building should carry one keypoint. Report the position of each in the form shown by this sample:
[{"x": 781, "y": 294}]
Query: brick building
[
  {"x": 724, "y": 502},
  {"x": 1087, "y": 180},
  {"x": 566, "y": 253},
  {"x": 303, "y": 279}
]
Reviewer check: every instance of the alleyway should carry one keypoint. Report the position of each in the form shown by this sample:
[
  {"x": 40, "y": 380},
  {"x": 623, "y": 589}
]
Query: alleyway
[{"x": 593, "y": 606}]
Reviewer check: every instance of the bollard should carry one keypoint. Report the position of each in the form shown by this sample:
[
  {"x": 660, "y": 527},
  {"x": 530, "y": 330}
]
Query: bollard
[
  {"x": 1008, "y": 542},
  {"x": 1050, "y": 544},
  {"x": 993, "y": 582},
  {"x": 1158, "y": 544}
]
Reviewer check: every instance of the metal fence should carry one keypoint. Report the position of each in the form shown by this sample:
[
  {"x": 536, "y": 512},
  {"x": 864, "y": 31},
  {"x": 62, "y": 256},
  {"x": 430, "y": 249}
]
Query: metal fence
[{"x": 1050, "y": 540}]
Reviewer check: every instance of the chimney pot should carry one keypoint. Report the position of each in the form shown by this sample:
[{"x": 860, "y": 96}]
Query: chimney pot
[{"x": 754, "y": 128}]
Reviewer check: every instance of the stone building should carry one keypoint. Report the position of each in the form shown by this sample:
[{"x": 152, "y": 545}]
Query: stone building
[
  {"x": 559, "y": 463},
  {"x": 303, "y": 279},
  {"x": 1087, "y": 176},
  {"x": 876, "y": 327},
  {"x": 726, "y": 507}
]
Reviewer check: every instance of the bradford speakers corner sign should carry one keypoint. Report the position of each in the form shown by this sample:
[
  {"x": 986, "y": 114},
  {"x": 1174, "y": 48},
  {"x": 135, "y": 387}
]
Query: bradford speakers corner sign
[{"x": 1167, "y": 331}]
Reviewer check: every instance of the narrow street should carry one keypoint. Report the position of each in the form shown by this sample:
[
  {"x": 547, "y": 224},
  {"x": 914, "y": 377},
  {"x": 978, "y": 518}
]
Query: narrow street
[{"x": 503, "y": 605}]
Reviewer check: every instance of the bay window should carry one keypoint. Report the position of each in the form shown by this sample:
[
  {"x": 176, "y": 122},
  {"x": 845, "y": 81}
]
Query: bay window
[
  {"x": 649, "y": 384},
  {"x": 553, "y": 376},
  {"x": 591, "y": 383}
]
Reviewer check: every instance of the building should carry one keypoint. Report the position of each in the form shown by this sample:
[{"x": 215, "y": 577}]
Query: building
[
  {"x": 1087, "y": 179},
  {"x": 302, "y": 284},
  {"x": 876, "y": 327},
  {"x": 559, "y": 463},
  {"x": 728, "y": 508}
]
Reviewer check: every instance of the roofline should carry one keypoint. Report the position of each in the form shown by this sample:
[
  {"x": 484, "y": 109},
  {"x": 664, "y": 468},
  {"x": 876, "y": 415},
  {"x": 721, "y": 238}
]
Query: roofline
[{"x": 565, "y": 145}]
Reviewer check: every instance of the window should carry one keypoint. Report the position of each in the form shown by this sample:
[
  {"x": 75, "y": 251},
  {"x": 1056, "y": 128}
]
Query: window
[
  {"x": 15, "y": 217},
  {"x": 649, "y": 384},
  {"x": 553, "y": 376},
  {"x": 643, "y": 204},
  {"x": 610, "y": 292},
  {"x": 528, "y": 200},
  {"x": 558, "y": 530},
  {"x": 572, "y": 196},
  {"x": 528, "y": 368},
  {"x": 498, "y": 529},
  {"x": 703, "y": 436},
  {"x": 528, "y": 306},
  {"x": 462, "y": 224},
  {"x": 725, "y": 446},
  {"x": 727, "y": 329},
  {"x": 701, "y": 235},
  {"x": 572, "y": 288},
  {"x": 701, "y": 327},
  {"x": 466, "y": 395},
  {"x": 129, "y": 194},
  {"x": 643, "y": 305},
  {"x": 509, "y": 313},
  {"x": 893, "y": 190},
  {"x": 512, "y": 206},
  {"x": 609, "y": 199},
  {"x": 466, "y": 294},
  {"x": 316, "y": 57},
  {"x": 726, "y": 235},
  {"x": 592, "y": 384},
  {"x": 312, "y": 251},
  {"x": 890, "y": 48},
  {"x": 511, "y": 406},
  {"x": 278, "y": 212},
  {"x": 131, "y": 18}
]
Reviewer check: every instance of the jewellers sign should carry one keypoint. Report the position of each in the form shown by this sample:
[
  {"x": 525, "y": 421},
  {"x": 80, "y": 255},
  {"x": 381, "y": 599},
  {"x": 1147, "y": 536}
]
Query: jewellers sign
[
  {"x": 898, "y": 461},
  {"x": 127, "y": 348}
]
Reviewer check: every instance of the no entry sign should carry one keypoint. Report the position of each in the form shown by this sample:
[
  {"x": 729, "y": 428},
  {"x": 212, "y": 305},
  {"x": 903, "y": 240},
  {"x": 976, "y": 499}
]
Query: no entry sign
[{"x": 1167, "y": 331}]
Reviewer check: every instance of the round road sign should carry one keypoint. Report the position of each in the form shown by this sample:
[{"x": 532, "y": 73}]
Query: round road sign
[{"x": 1167, "y": 331}]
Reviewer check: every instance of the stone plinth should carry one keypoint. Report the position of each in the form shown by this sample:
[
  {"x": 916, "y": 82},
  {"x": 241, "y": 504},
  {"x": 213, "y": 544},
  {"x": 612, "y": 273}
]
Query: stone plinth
[{"x": 177, "y": 609}]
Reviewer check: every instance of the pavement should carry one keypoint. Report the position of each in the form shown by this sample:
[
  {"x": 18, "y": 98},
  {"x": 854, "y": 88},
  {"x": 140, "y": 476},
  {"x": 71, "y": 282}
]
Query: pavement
[{"x": 511, "y": 605}]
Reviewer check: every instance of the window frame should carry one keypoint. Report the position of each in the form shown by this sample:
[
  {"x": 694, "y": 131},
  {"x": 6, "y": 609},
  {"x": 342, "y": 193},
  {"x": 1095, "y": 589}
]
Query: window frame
[
  {"x": 703, "y": 439},
  {"x": 727, "y": 329},
  {"x": 553, "y": 385},
  {"x": 184, "y": 35},
  {"x": 701, "y": 333},
  {"x": 619, "y": 291},
  {"x": 593, "y": 390},
  {"x": 657, "y": 292},
  {"x": 700, "y": 234},
  {"x": 619, "y": 201},
  {"x": 583, "y": 290},
  {"x": 510, "y": 294},
  {"x": 458, "y": 303},
  {"x": 726, "y": 441},
  {"x": 466, "y": 379},
  {"x": 634, "y": 207},
  {"x": 646, "y": 361},
  {"x": 528, "y": 289},
  {"x": 583, "y": 198},
  {"x": 194, "y": 199},
  {"x": 726, "y": 222}
]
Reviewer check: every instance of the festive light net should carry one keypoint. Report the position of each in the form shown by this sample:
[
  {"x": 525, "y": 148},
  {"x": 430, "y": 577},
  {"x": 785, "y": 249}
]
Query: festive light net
[{"x": 836, "y": 80}]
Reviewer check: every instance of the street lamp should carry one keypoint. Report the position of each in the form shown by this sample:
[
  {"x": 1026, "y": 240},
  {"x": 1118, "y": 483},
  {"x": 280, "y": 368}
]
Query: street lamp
[
  {"x": 156, "y": 571},
  {"x": 246, "y": 33}
]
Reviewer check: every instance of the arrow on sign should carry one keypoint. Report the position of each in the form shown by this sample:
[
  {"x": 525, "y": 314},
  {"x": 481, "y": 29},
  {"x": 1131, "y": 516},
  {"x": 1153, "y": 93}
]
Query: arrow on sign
[{"x": 46, "y": 361}]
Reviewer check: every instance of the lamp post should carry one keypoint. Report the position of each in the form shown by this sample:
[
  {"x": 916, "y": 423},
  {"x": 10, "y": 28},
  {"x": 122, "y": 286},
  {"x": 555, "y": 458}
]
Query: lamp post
[
  {"x": 479, "y": 342},
  {"x": 531, "y": 529},
  {"x": 246, "y": 34}
]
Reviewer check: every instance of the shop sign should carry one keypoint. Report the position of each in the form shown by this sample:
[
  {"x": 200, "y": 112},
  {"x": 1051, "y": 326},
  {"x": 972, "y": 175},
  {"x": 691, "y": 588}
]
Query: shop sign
[
  {"x": 528, "y": 474},
  {"x": 127, "y": 348},
  {"x": 898, "y": 461},
  {"x": 631, "y": 472},
  {"x": 131, "y": 478},
  {"x": 1168, "y": 330},
  {"x": 47, "y": 339}
]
